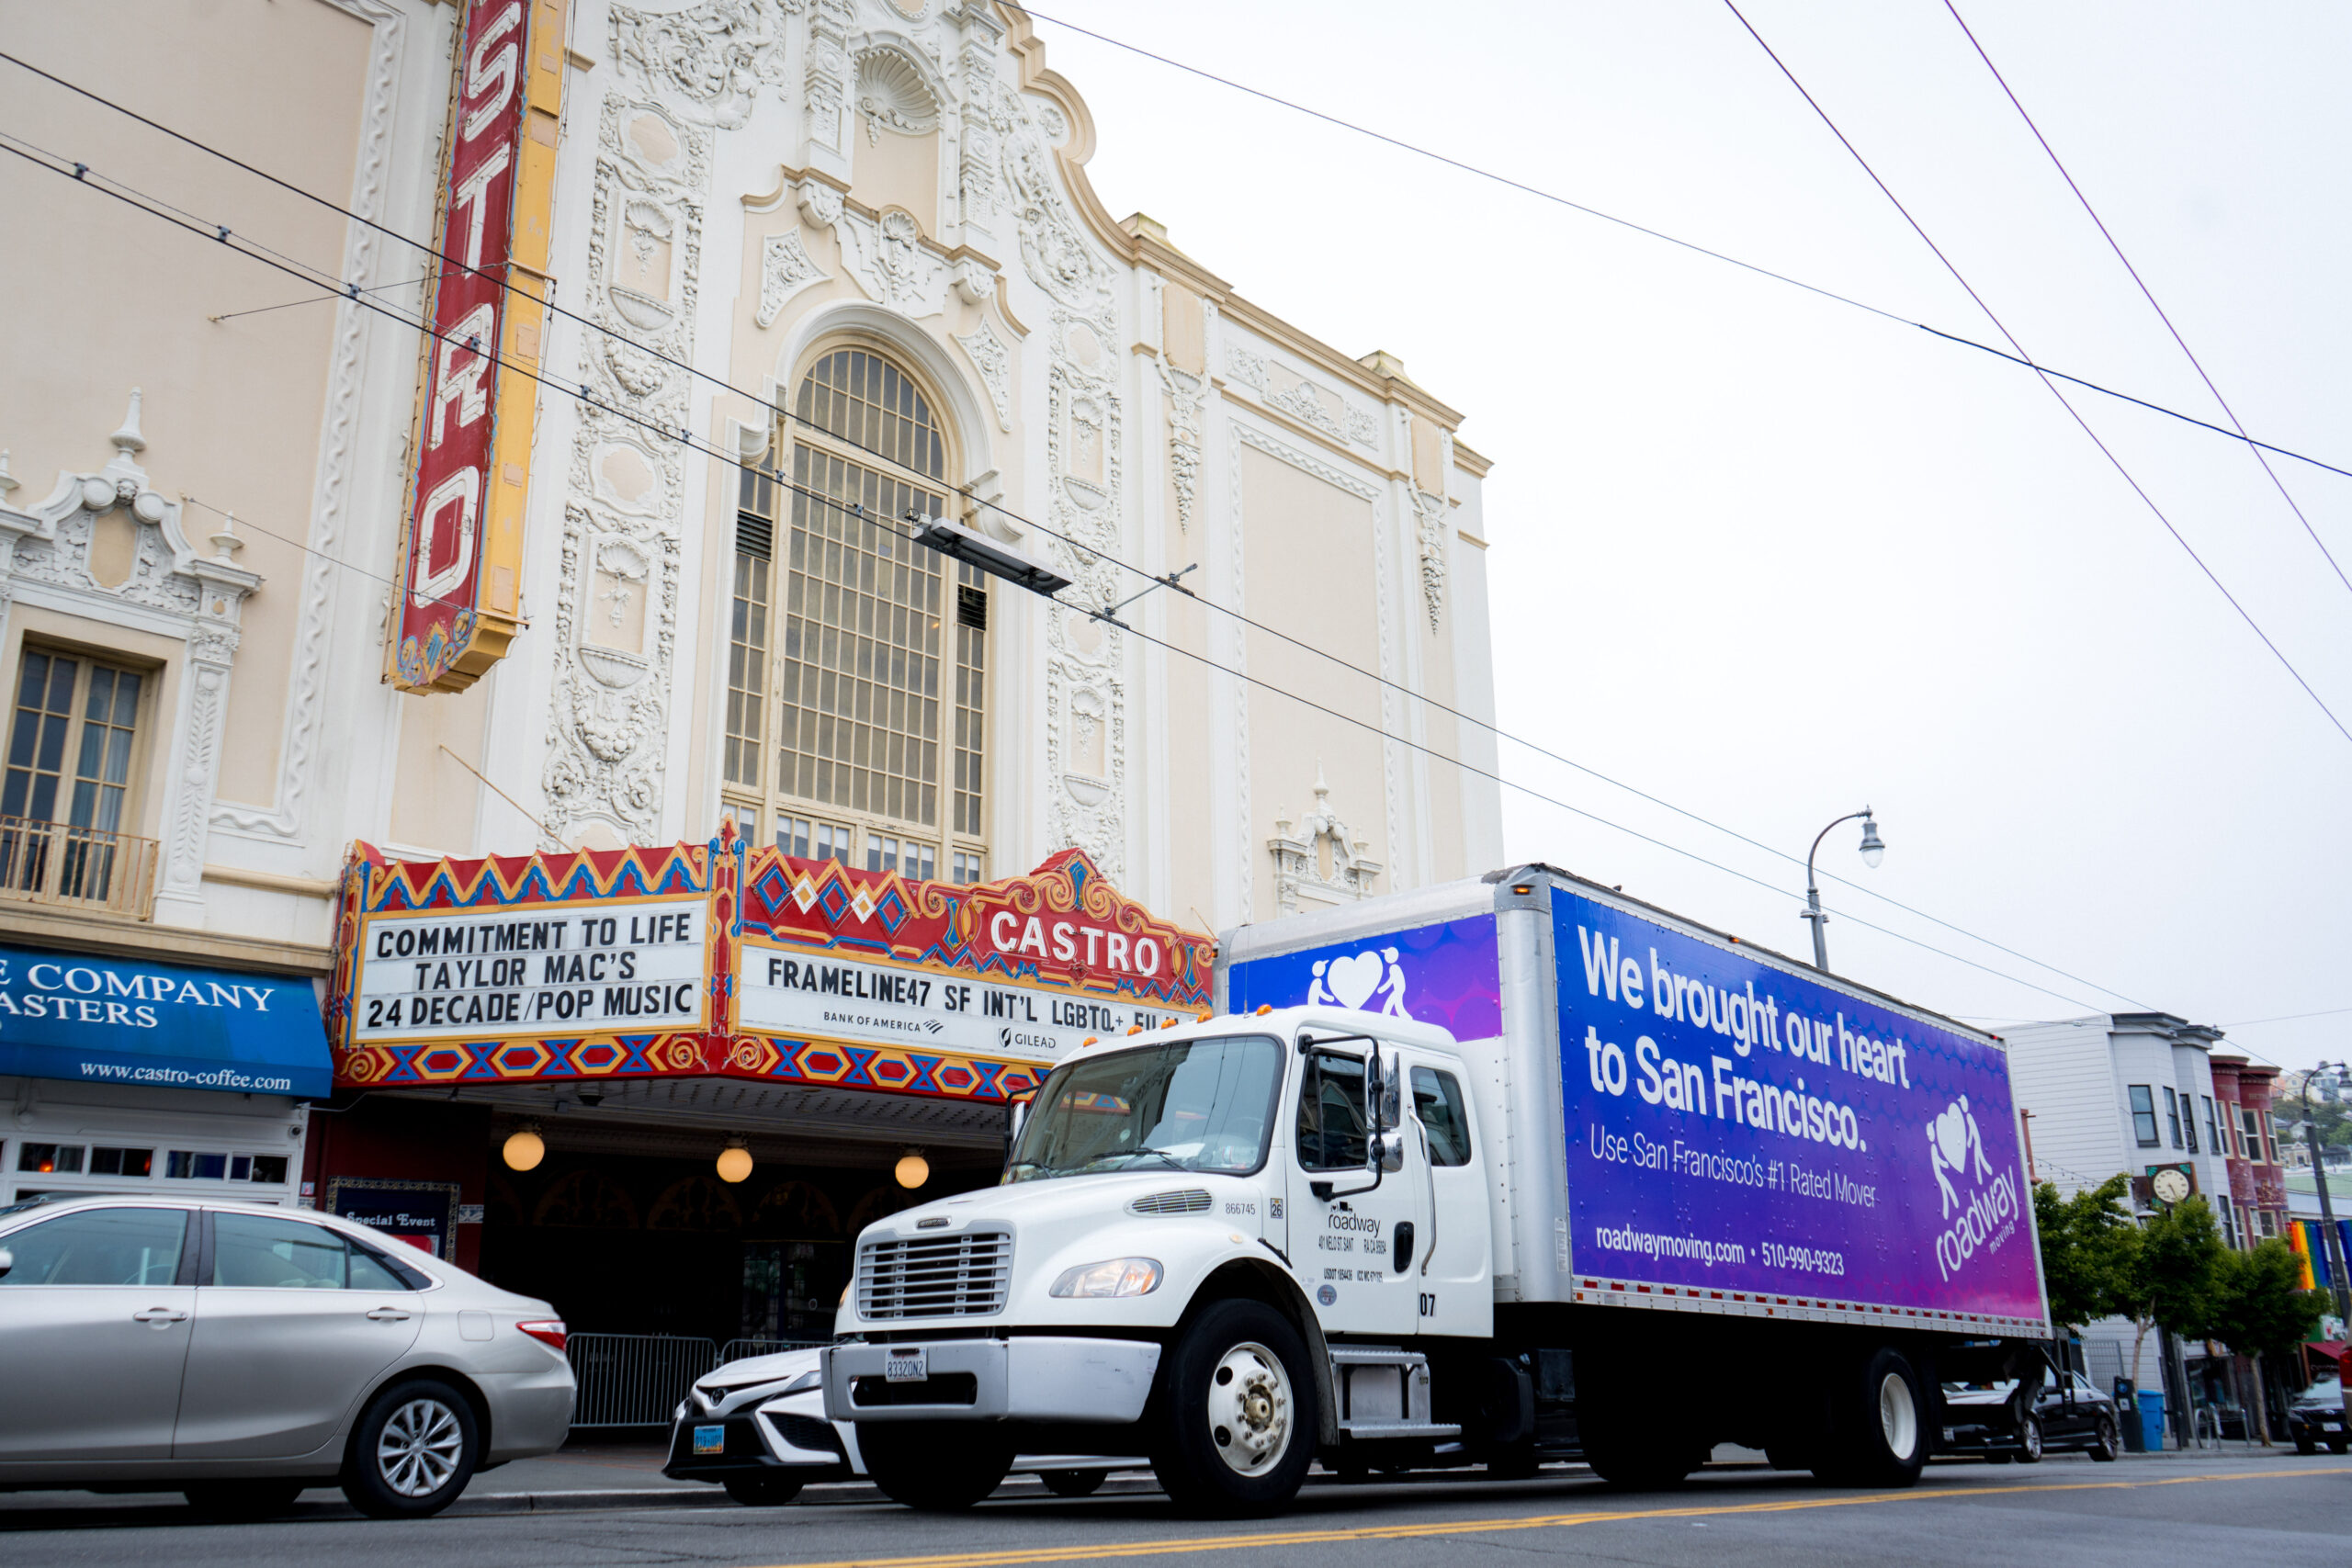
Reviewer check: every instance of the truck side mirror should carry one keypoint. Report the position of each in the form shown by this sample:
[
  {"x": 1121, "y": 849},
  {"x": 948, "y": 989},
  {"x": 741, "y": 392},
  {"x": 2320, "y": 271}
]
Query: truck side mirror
[{"x": 1018, "y": 1118}]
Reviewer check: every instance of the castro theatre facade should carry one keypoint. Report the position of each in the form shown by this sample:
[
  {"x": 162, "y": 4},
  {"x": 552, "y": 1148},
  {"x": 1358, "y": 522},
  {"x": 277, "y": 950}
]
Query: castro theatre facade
[{"x": 664, "y": 1088}]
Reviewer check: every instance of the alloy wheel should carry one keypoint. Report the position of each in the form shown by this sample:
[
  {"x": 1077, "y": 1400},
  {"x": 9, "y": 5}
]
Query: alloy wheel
[
  {"x": 417, "y": 1452},
  {"x": 1249, "y": 1409}
]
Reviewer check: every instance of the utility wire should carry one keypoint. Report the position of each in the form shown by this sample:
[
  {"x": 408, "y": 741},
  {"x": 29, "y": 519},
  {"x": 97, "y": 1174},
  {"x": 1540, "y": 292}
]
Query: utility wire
[
  {"x": 2010, "y": 338},
  {"x": 1627, "y": 223},
  {"x": 2145, "y": 292},
  {"x": 450, "y": 264},
  {"x": 239, "y": 244}
]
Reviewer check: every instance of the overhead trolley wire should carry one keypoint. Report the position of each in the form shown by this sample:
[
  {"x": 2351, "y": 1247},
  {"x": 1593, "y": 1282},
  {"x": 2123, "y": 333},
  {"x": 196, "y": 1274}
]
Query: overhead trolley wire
[
  {"x": 2010, "y": 338},
  {"x": 240, "y": 244},
  {"x": 450, "y": 264},
  {"x": 2145, "y": 292},
  {"x": 1691, "y": 246}
]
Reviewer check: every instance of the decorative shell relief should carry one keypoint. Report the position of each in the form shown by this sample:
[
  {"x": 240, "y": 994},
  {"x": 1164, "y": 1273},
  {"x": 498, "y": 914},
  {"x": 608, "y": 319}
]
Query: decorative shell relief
[{"x": 892, "y": 95}]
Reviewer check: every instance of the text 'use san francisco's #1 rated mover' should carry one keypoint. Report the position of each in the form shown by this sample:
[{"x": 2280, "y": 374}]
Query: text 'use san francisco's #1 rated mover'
[{"x": 1491, "y": 1173}]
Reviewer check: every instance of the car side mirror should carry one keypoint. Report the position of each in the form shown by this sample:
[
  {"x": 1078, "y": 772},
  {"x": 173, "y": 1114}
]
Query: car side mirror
[{"x": 7, "y": 1261}]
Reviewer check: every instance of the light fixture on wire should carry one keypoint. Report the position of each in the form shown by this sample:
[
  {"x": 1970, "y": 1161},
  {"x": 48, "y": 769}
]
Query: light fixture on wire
[
  {"x": 734, "y": 1161},
  {"x": 912, "y": 1169},
  {"x": 524, "y": 1148}
]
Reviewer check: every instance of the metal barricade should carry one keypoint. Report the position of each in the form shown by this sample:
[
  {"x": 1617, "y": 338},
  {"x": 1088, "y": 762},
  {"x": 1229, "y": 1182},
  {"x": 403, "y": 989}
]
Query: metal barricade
[
  {"x": 737, "y": 1349},
  {"x": 634, "y": 1379}
]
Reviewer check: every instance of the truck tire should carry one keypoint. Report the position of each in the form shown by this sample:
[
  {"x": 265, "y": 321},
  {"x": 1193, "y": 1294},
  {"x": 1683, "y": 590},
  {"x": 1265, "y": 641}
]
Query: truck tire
[
  {"x": 937, "y": 1467},
  {"x": 1239, "y": 1426},
  {"x": 1879, "y": 1423}
]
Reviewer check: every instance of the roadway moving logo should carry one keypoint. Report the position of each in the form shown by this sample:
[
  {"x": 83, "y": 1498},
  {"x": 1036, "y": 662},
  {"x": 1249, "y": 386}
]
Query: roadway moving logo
[{"x": 1988, "y": 1213}]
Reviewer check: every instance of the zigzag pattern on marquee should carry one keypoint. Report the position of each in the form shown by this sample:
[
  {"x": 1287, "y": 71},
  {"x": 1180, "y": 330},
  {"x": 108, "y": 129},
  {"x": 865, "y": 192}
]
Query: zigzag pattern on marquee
[{"x": 495, "y": 881}]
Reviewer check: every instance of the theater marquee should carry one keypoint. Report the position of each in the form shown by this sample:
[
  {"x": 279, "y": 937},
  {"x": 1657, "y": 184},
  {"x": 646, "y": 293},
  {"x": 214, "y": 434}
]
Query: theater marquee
[{"x": 723, "y": 960}]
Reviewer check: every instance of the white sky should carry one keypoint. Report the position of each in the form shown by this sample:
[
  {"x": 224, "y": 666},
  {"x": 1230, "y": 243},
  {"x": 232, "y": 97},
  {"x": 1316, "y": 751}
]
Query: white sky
[{"x": 1771, "y": 557}]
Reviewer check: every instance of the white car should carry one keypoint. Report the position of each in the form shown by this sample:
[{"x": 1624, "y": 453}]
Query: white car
[
  {"x": 240, "y": 1353},
  {"x": 757, "y": 1427}
]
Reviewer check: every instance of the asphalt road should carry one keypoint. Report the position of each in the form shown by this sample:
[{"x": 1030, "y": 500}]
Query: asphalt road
[{"x": 2274, "y": 1508}]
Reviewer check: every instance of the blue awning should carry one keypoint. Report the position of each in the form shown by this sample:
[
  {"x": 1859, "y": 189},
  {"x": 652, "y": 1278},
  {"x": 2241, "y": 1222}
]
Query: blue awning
[{"x": 120, "y": 1021}]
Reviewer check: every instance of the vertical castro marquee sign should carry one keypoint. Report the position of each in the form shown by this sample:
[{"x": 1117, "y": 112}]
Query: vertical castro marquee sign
[{"x": 461, "y": 547}]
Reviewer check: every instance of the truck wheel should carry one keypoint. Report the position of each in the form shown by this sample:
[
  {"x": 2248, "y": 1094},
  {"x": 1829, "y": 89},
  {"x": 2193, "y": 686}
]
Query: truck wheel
[
  {"x": 1240, "y": 1415},
  {"x": 938, "y": 1467},
  {"x": 1879, "y": 1429}
]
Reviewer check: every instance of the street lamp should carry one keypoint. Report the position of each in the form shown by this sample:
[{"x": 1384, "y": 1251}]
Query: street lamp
[
  {"x": 2327, "y": 1235},
  {"x": 1873, "y": 850}
]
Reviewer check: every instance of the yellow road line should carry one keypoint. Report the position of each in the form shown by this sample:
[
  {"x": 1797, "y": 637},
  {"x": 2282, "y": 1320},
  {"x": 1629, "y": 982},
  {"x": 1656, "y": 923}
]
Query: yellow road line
[{"x": 1012, "y": 1557}]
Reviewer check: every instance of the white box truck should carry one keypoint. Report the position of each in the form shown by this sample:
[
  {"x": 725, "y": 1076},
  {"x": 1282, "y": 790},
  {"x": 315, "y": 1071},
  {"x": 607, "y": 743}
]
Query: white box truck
[{"x": 1492, "y": 1173}]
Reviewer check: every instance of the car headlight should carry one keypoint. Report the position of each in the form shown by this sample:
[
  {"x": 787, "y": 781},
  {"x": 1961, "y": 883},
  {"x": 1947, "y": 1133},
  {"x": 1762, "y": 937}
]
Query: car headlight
[
  {"x": 1115, "y": 1277},
  {"x": 813, "y": 1378}
]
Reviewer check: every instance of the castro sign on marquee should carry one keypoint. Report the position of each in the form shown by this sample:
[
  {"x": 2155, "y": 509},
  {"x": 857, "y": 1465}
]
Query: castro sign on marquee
[
  {"x": 724, "y": 960},
  {"x": 461, "y": 544}
]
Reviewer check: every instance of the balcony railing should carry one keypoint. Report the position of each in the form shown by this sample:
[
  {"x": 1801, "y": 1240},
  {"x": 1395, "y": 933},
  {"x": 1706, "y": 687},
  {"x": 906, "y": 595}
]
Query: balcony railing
[{"x": 77, "y": 868}]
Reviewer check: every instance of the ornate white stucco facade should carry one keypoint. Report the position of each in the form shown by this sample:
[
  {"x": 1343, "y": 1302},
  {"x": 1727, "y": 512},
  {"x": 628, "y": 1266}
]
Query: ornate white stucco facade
[{"x": 742, "y": 187}]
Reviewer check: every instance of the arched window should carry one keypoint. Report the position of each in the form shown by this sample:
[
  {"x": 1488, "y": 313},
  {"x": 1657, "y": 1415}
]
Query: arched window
[{"x": 855, "y": 719}]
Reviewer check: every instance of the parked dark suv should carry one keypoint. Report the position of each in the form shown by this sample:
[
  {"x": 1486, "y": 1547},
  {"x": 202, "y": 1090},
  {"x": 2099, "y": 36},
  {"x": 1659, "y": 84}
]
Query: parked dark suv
[{"x": 2069, "y": 1415}]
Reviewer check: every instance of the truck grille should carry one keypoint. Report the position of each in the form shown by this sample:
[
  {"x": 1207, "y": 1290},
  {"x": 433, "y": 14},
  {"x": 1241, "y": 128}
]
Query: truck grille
[{"x": 945, "y": 1276}]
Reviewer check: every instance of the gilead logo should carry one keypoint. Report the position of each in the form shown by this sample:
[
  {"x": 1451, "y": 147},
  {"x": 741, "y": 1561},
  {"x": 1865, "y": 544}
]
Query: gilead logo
[{"x": 1988, "y": 1216}]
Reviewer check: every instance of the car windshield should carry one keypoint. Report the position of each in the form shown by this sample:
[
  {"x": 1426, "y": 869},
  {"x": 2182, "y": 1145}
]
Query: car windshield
[
  {"x": 2321, "y": 1393},
  {"x": 1204, "y": 1105}
]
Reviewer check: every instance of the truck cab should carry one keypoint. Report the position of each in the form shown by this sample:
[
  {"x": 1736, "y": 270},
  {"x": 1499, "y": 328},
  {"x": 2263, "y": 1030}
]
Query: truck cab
[{"x": 1229, "y": 1245}]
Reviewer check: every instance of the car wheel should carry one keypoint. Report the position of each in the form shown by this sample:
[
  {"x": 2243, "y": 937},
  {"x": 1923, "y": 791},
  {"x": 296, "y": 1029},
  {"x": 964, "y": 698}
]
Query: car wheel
[
  {"x": 1239, "y": 1426},
  {"x": 2105, "y": 1445},
  {"x": 233, "y": 1501},
  {"x": 412, "y": 1452},
  {"x": 1073, "y": 1482},
  {"x": 2030, "y": 1440},
  {"x": 2341, "y": 1445},
  {"x": 762, "y": 1490},
  {"x": 938, "y": 1467}
]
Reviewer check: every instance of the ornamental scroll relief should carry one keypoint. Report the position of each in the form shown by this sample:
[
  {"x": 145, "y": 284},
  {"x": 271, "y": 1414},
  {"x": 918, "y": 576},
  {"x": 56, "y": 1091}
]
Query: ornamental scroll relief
[{"x": 617, "y": 605}]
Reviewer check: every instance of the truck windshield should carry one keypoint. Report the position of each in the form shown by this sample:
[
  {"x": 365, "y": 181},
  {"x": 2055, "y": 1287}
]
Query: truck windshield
[{"x": 1206, "y": 1105}]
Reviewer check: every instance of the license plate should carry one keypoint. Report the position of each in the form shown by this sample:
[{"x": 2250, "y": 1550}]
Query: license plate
[
  {"x": 710, "y": 1440},
  {"x": 907, "y": 1366}
]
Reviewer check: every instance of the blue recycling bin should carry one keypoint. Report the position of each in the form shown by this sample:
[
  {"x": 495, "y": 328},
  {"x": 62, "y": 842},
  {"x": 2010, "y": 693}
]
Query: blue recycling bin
[{"x": 2151, "y": 1419}]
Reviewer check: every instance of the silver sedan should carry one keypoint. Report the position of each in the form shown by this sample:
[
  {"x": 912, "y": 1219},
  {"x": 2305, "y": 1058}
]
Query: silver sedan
[{"x": 240, "y": 1353}]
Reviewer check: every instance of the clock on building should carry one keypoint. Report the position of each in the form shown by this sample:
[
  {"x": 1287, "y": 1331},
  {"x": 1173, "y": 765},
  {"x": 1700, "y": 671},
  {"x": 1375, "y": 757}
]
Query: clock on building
[{"x": 2170, "y": 1184}]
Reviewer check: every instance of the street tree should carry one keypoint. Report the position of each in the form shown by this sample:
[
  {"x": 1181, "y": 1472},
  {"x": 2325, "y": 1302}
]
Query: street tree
[
  {"x": 2084, "y": 1239},
  {"x": 2259, "y": 1309},
  {"x": 2165, "y": 1274}
]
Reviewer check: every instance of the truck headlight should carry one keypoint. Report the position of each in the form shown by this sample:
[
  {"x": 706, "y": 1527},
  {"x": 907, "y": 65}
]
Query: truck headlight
[{"x": 1117, "y": 1276}]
